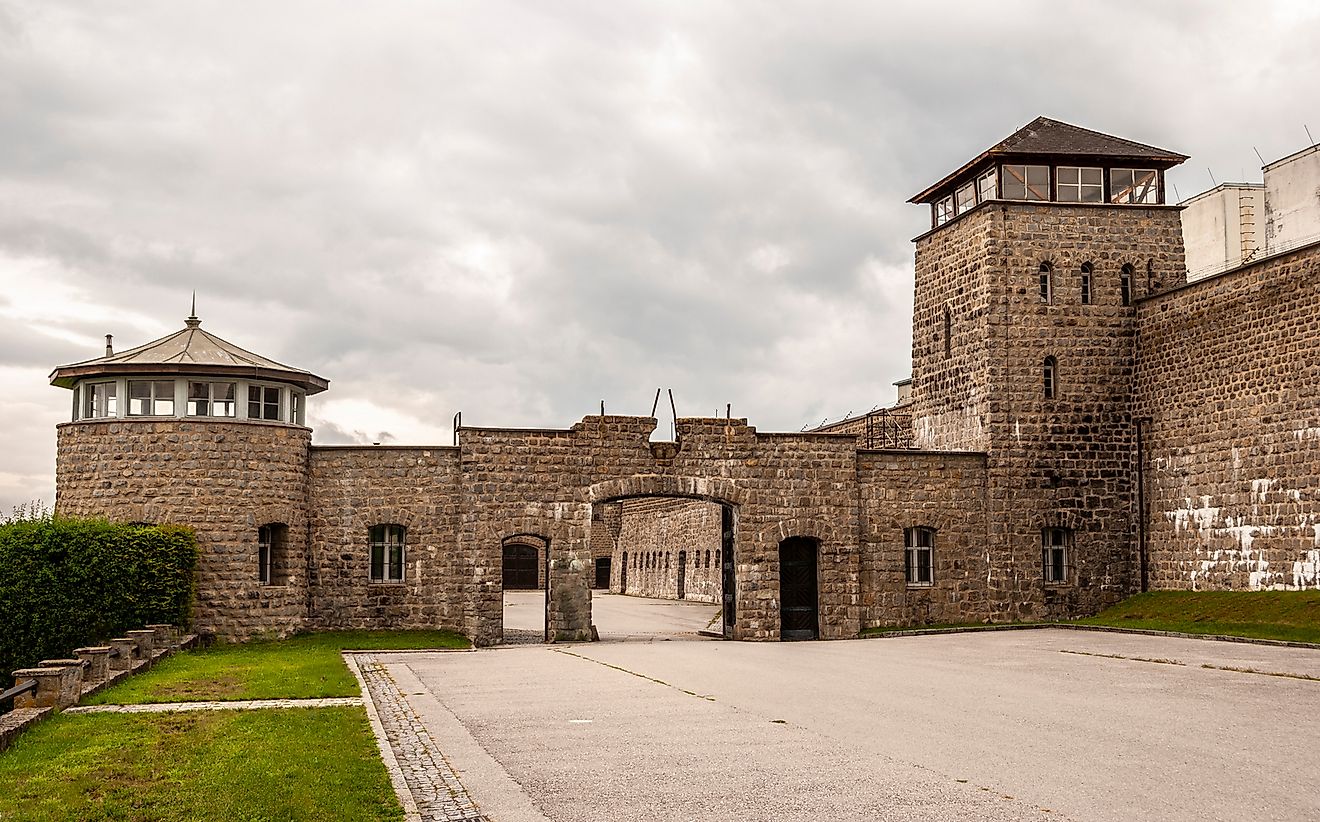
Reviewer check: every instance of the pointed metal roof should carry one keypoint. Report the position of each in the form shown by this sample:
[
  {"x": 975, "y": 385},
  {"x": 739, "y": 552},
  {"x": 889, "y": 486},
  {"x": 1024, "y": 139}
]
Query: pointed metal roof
[
  {"x": 189, "y": 351},
  {"x": 1046, "y": 137}
]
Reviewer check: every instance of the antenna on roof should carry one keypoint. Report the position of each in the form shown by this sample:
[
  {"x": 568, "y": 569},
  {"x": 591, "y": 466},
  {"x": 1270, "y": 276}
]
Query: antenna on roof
[
  {"x": 1175, "y": 190},
  {"x": 1308, "y": 134},
  {"x": 1213, "y": 182},
  {"x": 1258, "y": 157}
]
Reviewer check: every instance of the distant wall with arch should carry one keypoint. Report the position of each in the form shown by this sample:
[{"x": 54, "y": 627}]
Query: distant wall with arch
[{"x": 673, "y": 549}]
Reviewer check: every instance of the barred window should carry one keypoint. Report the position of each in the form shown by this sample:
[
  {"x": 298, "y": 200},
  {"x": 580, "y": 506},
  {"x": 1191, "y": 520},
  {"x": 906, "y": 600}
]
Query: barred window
[
  {"x": 1050, "y": 377},
  {"x": 271, "y": 542},
  {"x": 387, "y": 552},
  {"x": 918, "y": 556},
  {"x": 1055, "y": 561},
  {"x": 1086, "y": 283}
]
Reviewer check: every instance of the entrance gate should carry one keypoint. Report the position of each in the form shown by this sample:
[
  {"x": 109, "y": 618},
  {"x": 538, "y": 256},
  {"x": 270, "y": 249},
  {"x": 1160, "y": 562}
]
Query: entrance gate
[
  {"x": 798, "y": 597},
  {"x": 520, "y": 568}
]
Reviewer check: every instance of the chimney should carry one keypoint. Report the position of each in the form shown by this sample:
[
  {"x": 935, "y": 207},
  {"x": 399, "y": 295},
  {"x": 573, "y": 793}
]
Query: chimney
[{"x": 109, "y": 345}]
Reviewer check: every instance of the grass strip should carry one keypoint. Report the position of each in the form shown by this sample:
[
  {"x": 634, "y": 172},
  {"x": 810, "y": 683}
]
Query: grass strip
[
  {"x": 306, "y": 666},
  {"x": 1291, "y": 616},
  {"x": 278, "y": 764}
]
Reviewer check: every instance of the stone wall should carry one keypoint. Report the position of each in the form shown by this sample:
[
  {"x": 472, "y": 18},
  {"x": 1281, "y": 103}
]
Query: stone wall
[
  {"x": 945, "y": 492},
  {"x": 355, "y": 487},
  {"x": 1230, "y": 379},
  {"x": 662, "y": 541},
  {"x": 1065, "y": 461},
  {"x": 225, "y": 480}
]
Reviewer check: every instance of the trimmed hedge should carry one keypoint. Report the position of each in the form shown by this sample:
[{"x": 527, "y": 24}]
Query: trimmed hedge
[{"x": 66, "y": 583}]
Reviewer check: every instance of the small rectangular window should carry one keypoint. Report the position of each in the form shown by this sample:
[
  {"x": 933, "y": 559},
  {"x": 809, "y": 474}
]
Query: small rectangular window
[
  {"x": 295, "y": 407},
  {"x": 387, "y": 553},
  {"x": 1125, "y": 285},
  {"x": 263, "y": 402},
  {"x": 100, "y": 400},
  {"x": 1086, "y": 284},
  {"x": 151, "y": 398},
  {"x": 1081, "y": 185},
  {"x": 211, "y": 399},
  {"x": 966, "y": 197},
  {"x": 943, "y": 211},
  {"x": 987, "y": 185},
  {"x": 1046, "y": 283},
  {"x": 1137, "y": 186},
  {"x": 918, "y": 556},
  {"x": 1026, "y": 182},
  {"x": 1054, "y": 555}
]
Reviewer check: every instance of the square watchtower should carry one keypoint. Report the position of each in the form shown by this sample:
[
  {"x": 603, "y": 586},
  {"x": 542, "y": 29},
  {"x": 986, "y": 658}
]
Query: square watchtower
[{"x": 1023, "y": 347}]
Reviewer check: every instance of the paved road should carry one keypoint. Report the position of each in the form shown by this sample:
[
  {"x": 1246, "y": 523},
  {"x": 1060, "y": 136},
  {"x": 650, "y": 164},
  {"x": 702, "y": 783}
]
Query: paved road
[
  {"x": 1043, "y": 724},
  {"x": 619, "y": 618}
]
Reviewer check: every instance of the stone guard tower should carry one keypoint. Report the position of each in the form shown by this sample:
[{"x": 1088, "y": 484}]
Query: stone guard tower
[
  {"x": 1023, "y": 347},
  {"x": 192, "y": 429}
]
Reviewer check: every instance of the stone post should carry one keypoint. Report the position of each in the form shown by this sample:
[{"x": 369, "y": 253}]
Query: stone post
[
  {"x": 127, "y": 649},
  {"x": 165, "y": 634},
  {"x": 98, "y": 662},
  {"x": 58, "y": 686},
  {"x": 145, "y": 639}
]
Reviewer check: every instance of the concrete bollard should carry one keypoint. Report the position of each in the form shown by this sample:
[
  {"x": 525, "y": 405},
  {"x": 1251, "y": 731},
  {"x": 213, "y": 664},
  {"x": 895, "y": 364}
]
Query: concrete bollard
[
  {"x": 145, "y": 639},
  {"x": 127, "y": 652},
  {"x": 97, "y": 658},
  {"x": 57, "y": 686}
]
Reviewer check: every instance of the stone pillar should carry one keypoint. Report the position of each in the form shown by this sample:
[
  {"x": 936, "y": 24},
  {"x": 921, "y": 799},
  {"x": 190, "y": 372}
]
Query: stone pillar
[
  {"x": 165, "y": 634},
  {"x": 98, "y": 662},
  {"x": 145, "y": 639},
  {"x": 58, "y": 686},
  {"x": 570, "y": 601},
  {"x": 127, "y": 651}
]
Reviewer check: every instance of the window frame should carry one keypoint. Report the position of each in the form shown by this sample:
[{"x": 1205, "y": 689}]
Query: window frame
[
  {"x": 1050, "y": 377},
  {"x": 1056, "y": 547},
  {"x": 1123, "y": 191},
  {"x": 991, "y": 174},
  {"x": 263, "y": 403},
  {"x": 191, "y": 403},
  {"x": 391, "y": 569},
  {"x": 272, "y": 542},
  {"x": 1086, "y": 271},
  {"x": 1064, "y": 178},
  {"x": 942, "y": 210},
  {"x": 100, "y": 406},
  {"x": 1125, "y": 283},
  {"x": 152, "y": 398},
  {"x": 913, "y": 551},
  {"x": 962, "y": 204},
  {"x": 1028, "y": 188},
  {"x": 1047, "y": 283}
]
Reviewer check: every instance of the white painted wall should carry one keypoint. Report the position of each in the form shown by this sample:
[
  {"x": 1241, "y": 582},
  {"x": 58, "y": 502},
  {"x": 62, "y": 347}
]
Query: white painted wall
[
  {"x": 1292, "y": 201},
  {"x": 1222, "y": 228}
]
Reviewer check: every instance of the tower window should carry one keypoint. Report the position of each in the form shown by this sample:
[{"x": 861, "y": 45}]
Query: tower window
[
  {"x": 987, "y": 185},
  {"x": 100, "y": 400},
  {"x": 271, "y": 563},
  {"x": 1086, "y": 283},
  {"x": 943, "y": 211},
  {"x": 1125, "y": 284},
  {"x": 1026, "y": 182},
  {"x": 1054, "y": 559},
  {"x": 1046, "y": 283},
  {"x": 1081, "y": 185},
  {"x": 1134, "y": 185},
  {"x": 387, "y": 552},
  {"x": 263, "y": 402},
  {"x": 966, "y": 197},
  {"x": 918, "y": 556},
  {"x": 1050, "y": 375},
  {"x": 151, "y": 398},
  {"x": 211, "y": 399}
]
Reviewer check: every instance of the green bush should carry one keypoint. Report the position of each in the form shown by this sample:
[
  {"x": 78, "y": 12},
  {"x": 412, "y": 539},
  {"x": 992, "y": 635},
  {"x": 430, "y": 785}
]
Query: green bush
[{"x": 66, "y": 583}]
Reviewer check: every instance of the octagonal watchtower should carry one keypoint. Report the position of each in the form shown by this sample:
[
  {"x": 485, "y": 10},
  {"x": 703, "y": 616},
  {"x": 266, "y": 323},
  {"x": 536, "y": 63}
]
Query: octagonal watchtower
[{"x": 192, "y": 429}]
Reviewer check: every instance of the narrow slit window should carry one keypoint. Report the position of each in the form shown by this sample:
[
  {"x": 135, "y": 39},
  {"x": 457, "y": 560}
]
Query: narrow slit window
[
  {"x": 1046, "y": 283},
  {"x": 1086, "y": 283},
  {"x": 1050, "y": 378},
  {"x": 271, "y": 562},
  {"x": 1125, "y": 284}
]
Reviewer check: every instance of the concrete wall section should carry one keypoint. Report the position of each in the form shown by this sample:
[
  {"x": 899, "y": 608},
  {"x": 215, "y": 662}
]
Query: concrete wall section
[
  {"x": 1292, "y": 201},
  {"x": 1230, "y": 378}
]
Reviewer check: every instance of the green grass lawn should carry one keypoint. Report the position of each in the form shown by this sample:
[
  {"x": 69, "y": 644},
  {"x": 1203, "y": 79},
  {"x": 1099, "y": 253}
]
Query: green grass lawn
[
  {"x": 301, "y": 763},
  {"x": 1287, "y": 615},
  {"x": 303, "y": 666}
]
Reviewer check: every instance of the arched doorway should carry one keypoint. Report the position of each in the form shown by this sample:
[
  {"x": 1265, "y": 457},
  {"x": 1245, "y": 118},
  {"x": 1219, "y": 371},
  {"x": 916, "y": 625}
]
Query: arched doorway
[
  {"x": 799, "y": 598},
  {"x": 521, "y": 567}
]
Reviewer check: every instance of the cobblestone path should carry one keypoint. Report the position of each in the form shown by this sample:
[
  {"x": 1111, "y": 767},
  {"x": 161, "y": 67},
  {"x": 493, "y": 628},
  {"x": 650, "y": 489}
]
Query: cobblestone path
[{"x": 435, "y": 790}]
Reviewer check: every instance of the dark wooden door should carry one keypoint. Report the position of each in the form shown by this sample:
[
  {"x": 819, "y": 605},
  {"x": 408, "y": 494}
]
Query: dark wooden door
[
  {"x": 602, "y": 572},
  {"x": 798, "y": 604},
  {"x": 520, "y": 568},
  {"x": 726, "y": 570},
  {"x": 682, "y": 574}
]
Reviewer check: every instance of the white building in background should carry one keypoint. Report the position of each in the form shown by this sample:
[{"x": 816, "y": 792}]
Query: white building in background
[
  {"x": 1292, "y": 201},
  {"x": 1237, "y": 223},
  {"x": 1223, "y": 227}
]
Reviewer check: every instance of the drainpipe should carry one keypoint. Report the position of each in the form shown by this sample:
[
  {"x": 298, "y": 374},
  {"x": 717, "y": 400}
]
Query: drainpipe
[{"x": 1142, "y": 548}]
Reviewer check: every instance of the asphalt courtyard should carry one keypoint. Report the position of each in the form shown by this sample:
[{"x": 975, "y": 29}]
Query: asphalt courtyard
[{"x": 1040, "y": 724}]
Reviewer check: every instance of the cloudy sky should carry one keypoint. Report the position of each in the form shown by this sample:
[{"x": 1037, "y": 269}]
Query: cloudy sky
[{"x": 520, "y": 209}]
